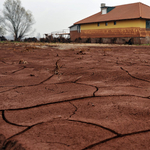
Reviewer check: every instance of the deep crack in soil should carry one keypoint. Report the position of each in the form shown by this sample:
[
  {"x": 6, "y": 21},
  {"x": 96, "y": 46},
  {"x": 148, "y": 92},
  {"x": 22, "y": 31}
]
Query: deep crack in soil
[
  {"x": 133, "y": 76},
  {"x": 7, "y": 121},
  {"x": 76, "y": 109},
  {"x": 19, "y": 69},
  {"x": 113, "y": 138}
]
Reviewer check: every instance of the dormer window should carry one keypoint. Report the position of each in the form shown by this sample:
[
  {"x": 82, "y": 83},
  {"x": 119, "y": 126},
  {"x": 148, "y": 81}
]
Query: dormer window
[{"x": 105, "y": 9}]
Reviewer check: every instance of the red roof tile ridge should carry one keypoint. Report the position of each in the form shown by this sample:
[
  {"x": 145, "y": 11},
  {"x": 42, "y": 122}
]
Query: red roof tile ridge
[
  {"x": 127, "y": 4},
  {"x": 143, "y": 4},
  {"x": 140, "y": 9}
]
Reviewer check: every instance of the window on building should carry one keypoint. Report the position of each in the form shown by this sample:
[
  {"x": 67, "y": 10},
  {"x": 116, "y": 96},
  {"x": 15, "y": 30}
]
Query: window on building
[
  {"x": 98, "y": 24},
  {"x": 78, "y": 28},
  {"x": 147, "y": 24},
  {"x": 106, "y": 23},
  {"x": 115, "y": 23}
]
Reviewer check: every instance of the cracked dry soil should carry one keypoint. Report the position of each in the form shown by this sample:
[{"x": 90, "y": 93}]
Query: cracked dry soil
[{"x": 74, "y": 97}]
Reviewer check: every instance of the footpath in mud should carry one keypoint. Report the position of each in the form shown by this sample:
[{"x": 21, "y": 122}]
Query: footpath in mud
[{"x": 74, "y": 97}]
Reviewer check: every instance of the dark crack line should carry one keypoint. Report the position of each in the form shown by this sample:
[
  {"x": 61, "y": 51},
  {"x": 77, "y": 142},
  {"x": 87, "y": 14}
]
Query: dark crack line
[
  {"x": 91, "y": 86},
  {"x": 76, "y": 109},
  {"x": 19, "y": 70},
  {"x": 133, "y": 76},
  {"x": 93, "y": 124},
  {"x": 71, "y": 100},
  {"x": 7, "y": 140},
  {"x": 5, "y": 119},
  {"x": 115, "y": 137},
  {"x": 3, "y": 62},
  {"x": 41, "y": 82},
  {"x": 95, "y": 91},
  {"x": 98, "y": 143},
  {"x": 12, "y": 89},
  {"x": 28, "y": 128},
  {"x": 134, "y": 133},
  {"x": 17, "y": 87}
]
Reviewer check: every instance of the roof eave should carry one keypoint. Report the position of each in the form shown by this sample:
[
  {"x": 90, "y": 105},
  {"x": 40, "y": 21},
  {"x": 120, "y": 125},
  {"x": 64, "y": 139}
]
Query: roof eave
[{"x": 110, "y": 20}]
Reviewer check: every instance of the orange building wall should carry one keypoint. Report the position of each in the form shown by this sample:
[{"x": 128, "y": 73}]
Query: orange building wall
[
  {"x": 74, "y": 35},
  {"x": 117, "y": 32}
]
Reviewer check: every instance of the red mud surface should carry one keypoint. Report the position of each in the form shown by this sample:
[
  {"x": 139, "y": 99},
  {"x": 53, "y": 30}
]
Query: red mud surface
[{"x": 74, "y": 97}]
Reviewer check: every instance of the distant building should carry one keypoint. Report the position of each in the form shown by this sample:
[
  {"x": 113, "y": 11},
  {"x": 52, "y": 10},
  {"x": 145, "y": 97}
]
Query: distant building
[{"x": 118, "y": 24}]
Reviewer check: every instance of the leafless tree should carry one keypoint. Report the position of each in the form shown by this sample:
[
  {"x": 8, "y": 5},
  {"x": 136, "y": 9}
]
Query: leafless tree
[
  {"x": 18, "y": 21},
  {"x": 2, "y": 27}
]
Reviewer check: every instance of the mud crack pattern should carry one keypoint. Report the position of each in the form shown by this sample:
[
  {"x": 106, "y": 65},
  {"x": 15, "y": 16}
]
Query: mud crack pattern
[{"x": 67, "y": 100}]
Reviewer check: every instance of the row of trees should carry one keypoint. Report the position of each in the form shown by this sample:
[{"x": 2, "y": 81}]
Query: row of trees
[{"x": 16, "y": 20}]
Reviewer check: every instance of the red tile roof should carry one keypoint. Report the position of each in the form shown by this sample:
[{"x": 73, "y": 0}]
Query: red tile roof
[{"x": 122, "y": 12}]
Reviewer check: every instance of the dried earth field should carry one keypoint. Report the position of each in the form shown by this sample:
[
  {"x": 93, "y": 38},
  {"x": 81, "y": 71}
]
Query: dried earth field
[{"x": 74, "y": 97}]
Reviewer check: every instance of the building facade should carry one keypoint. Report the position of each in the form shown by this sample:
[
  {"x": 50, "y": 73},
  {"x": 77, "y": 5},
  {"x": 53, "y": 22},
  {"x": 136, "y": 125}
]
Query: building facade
[{"x": 119, "y": 24}]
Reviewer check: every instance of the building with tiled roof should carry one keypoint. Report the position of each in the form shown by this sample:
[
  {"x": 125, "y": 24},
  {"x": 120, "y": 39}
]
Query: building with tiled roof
[{"x": 118, "y": 24}]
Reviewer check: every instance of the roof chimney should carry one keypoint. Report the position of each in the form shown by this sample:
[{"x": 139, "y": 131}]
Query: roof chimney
[
  {"x": 103, "y": 8},
  {"x": 102, "y": 5}
]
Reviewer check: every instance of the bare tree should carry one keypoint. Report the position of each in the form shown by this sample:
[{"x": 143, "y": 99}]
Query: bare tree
[
  {"x": 2, "y": 28},
  {"x": 18, "y": 21}
]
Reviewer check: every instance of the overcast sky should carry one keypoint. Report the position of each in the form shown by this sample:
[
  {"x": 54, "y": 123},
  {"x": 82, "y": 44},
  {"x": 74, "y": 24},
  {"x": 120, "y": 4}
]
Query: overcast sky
[{"x": 56, "y": 15}]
